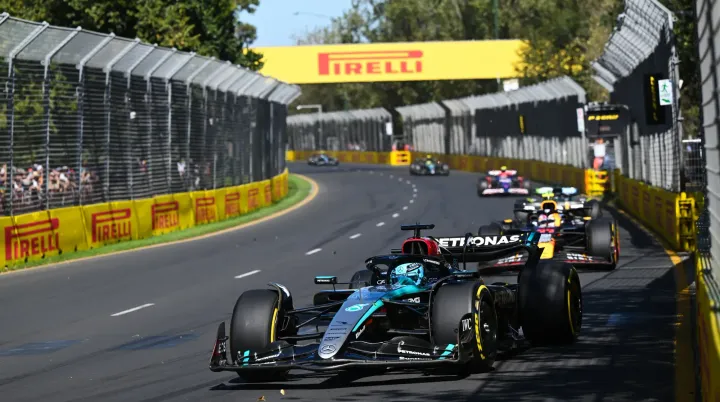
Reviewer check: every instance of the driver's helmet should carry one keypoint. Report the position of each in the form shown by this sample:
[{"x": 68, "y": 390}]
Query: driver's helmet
[
  {"x": 503, "y": 168},
  {"x": 412, "y": 273},
  {"x": 548, "y": 207}
]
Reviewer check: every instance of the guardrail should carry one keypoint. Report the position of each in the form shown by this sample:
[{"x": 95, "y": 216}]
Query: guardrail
[{"x": 106, "y": 139}]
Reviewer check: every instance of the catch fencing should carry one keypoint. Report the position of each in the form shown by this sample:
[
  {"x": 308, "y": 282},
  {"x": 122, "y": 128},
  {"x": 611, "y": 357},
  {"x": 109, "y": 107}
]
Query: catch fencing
[
  {"x": 639, "y": 53},
  {"x": 355, "y": 130},
  {"x": 537, "y": 122},
  {"x": 708, "y": 278},
  {"x": 91, "y": 118}
]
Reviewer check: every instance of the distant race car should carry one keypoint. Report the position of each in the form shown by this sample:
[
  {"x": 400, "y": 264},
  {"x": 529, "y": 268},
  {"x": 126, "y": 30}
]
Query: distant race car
[
  {"x": 567, "y": 198},
  {"x": 563, "y": 236},
  {"x": 415, "y": 308},
  {"x": 322, "y": 160},
  {"x": 429, "y": 166},
  {"x": 502, "y": 181}
]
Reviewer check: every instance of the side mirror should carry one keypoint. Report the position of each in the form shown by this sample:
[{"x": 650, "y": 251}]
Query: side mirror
[{"x": 326, "y": 280}]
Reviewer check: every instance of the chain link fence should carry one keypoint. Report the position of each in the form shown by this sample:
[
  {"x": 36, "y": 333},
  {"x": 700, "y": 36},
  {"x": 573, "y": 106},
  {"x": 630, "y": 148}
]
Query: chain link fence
[
  {"x": 536, "y": 122},
  {"x": 91, "y": 118},
  {"x": 708, "y": 19},
  {"x": 355, "y": 130},
  {"x": 638, "y": 55}
]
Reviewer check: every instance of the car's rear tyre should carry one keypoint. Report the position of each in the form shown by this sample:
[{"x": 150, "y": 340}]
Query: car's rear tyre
[
  {"x": 450, "y": 304},
  {"x": 600, "y": 240},
  {"x": 550, "y": 303},
  {"x": 361, "y": 279},
  {"x": 593, "y": 210},
  {"x": 492, "y": 229},
  {"x": 254, "y": 327}
]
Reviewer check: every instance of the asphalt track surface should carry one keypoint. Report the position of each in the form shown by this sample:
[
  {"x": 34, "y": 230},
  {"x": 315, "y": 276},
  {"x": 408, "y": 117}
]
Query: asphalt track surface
[{"x": 76, "y": 332}]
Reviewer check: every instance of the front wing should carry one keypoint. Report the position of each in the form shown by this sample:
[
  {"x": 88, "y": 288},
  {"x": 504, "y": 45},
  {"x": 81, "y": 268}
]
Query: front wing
[{"x": 355, "y": 354}]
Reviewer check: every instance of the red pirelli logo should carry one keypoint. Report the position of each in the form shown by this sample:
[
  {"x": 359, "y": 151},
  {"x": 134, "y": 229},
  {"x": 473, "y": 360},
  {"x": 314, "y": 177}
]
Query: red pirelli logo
[
  {"x": 232, "y": 204},
  {"x": 268, "y": 194},
  {"x": 31, "y": 239},
  {"x": 253, "y": 198},
  {"x": 205, "y": 209},
  {"x": 112, "y": 225},
  {"x": 370, "y": 63},
  {"x": 165, "y": 215}
]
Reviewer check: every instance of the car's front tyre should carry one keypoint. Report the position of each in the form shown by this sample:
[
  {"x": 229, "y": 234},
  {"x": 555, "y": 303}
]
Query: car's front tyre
[
  {"x": 254, "y": 327},
  {"x": 454, "y": 301}
]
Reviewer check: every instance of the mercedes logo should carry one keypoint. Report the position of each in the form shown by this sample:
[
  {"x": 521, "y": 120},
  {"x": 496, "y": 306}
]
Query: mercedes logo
[{"x": 327, "y": 349}]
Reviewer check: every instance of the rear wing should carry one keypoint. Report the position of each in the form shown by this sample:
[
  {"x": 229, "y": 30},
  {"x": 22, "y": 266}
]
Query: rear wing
[
  {"x": 473, "y": 248},
  {"x": 497, "y": 172}
]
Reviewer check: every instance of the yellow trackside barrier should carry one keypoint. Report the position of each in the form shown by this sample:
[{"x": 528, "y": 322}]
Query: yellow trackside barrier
[
  {"x": 290, "y": 156},
  {"x": 400, "y": 158},
  {"x": 39, "y": 235},
  {"x": 596, "y": 182}
]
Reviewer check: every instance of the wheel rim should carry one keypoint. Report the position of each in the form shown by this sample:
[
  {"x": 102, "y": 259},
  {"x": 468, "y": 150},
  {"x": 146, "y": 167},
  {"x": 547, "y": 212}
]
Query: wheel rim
[
  {"x": 574, "y": 305},
  {"x": 487, "y": 327}
]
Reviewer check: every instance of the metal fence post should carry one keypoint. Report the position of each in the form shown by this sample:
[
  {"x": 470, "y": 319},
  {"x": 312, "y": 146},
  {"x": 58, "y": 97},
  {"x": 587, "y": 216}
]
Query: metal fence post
[
  {"x": 128, "y": 89},
  {"x": 11, "y": 98},
  {"x": 46, "y": 107},
  {"x": 148, "y": 93},
  {"x": 188, "y": 84},
  {"x": 168, "y": 87},
  {"x": 205, "y": 123}
]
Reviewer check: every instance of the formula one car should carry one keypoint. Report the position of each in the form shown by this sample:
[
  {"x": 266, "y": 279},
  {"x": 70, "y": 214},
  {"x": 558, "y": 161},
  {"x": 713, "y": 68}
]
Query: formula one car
[
  {"x": 415, "y": 308},
  {"x": 502, "y": 181},
  {"x": 322, "y": 160},
  {"x": 429, "y": 166},
  {"x": 563, "y": 236},
  {"x": 568, "y": 201}
]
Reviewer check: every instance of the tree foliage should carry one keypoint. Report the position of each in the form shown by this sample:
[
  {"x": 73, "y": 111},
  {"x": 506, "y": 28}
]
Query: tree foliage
[
  {"x": 563, "y": 36},
  {"x": 208, "y": 27}
]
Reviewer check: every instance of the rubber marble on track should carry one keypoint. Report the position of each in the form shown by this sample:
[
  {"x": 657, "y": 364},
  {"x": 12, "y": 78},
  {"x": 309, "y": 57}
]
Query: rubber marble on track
[{"x": 60, "y": 342}]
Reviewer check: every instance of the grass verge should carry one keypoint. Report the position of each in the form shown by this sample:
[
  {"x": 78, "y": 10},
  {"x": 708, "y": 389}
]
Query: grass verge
[{"x": 298, "y": 190}]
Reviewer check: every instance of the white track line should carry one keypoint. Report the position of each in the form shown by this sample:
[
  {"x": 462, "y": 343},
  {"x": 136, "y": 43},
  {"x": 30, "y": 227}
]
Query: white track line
[
  {"x": 396, "y": 215},
  {"x": 405, "y": 208},
  {"x": 391, "y": 176},
  {"x": 380, "y": 224},
  {"x": 247, "y": 274},
  {"x": 311, "y": 252},
  {"x": 407, "y": 181},
  {"x": 414, "y": 195},
  {"x": 400, "y": 179},
  {"x": 356, "y": 235},
  {"x": 133, "y": 309},
  {"x": 414, "y": 190},
  {"x": 411, "y": 201}
]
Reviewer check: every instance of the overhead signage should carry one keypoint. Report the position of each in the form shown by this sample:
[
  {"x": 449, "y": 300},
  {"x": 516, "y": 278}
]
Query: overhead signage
[{"x": 375, "y": 62}]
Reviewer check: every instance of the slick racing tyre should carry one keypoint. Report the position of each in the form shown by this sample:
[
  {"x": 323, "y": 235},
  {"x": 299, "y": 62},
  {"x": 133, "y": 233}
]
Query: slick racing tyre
[
  {"x": 254, "y": 327},
  {"x": 492, "y": 229},
  {"x": 600, "y": 240},
  {"x": 592, "y": 209},
  {"x": 550, "y": 303},
  {"x": 450, "y": 304},
  {"x": 361, "y": 279}
]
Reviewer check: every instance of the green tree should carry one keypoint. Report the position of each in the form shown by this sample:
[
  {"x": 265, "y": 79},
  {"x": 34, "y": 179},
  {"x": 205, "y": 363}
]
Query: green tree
[
  {"x": 208, "y": 27},
  {"x": 401, "y": 21}
]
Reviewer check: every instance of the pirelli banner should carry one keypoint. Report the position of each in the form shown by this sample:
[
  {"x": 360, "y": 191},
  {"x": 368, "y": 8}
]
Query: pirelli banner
[
  {"x": 373, "y": 62},
  {"x": 45, "y": 234}
]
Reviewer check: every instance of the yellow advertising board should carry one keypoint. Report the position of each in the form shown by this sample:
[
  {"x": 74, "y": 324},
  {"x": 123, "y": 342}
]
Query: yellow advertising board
[{"x": 407, "y": 61}]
